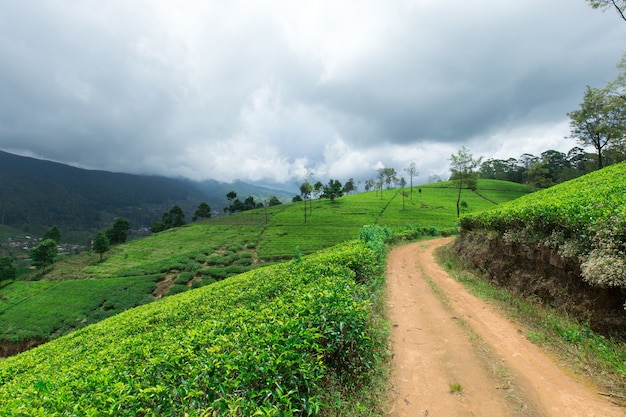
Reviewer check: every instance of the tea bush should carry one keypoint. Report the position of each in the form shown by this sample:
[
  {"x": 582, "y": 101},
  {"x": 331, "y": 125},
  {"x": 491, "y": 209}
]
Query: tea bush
[
  {"x": 584, "y": 218},
  {"x": 266, "y": 342}
]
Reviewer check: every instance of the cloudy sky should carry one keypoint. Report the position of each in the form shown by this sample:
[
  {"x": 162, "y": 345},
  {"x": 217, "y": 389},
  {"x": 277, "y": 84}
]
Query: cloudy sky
[{"x": 264, "y": 91}]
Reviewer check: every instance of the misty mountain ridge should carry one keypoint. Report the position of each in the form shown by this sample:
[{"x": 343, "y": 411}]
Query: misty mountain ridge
[{"x": 36, "y": 194}]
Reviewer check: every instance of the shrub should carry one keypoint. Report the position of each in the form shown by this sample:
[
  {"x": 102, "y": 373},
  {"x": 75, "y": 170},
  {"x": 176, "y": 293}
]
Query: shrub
[
  {"x": 584, "y": 219},
  {"x": 267, "y": 342}
]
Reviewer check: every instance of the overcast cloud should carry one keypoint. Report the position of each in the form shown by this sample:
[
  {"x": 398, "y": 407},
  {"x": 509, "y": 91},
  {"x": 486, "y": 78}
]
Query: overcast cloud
[{"x": 265, "y": 91}]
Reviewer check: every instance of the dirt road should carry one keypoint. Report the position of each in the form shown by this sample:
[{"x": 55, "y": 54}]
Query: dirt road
[{"x": 462, "y": 358}]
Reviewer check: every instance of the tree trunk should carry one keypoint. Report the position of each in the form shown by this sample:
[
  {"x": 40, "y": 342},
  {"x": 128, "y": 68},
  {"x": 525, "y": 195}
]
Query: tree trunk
[{"x": 458, "y": 199}]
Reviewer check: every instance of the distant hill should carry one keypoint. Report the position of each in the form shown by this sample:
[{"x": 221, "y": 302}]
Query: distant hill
[{"x": 37, "y": 194}]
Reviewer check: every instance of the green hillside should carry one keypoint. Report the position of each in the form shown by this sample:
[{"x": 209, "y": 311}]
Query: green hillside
[
  {"x": 198, "y": 254},
  {"x": 297, "y": 338},
  {"x": 584, "y": 219}
]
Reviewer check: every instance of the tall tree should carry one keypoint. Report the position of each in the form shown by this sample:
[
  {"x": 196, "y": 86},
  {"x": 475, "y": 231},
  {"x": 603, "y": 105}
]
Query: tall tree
[
  {"x": 7, "y": 268},
  {"x": 391, "y": 177},
  {"x": 305, "y": 191},
  {"x": 101, "y": 244},
  {"x": 202, "y": 212},
  {"x": 463, "y": 167},
  {"x": 411, "y": 170},
  {"x": 402, "y": 183},
  {"x": 118, "y": 233},
  {"x": 44, "y": 253},
  {"x": 349, "y": 186},
  {"x": 53, "y": 233},
  {"x": 381, "y": 180},
  {"x": 600, "y": 121},
  {"x": 333, "y": 190}
]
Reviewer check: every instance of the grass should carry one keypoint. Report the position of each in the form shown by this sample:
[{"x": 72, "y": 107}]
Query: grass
[
  {"x": 212, "y": 250},
  {"x": 42, "y": 310},
  {"x": 600, "y": 358},
  {"x": 455, "y": 388},
  {"x": 297, "y": 338}
]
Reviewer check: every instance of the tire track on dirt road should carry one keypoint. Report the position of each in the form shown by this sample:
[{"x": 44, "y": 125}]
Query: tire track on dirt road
[{"x": 455, "y": 355}]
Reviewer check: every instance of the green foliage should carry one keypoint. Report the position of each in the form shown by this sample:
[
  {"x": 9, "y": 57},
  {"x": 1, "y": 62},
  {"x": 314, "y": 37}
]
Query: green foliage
[
  {"x": 101, "y": 244},
  {"x": 170, "y": 219},
  {"x": 7, "y": 269},
  {"x": 600, "y": 121},
  {"x": 332, "y": 190},
  {"x": 264, "y": 343},
  {"x": 44, "y": 253},
  {"x": 376, "y": 237},
  {"x": 53, "y": 233},
  {"x": 584, "y": 218},
  {"x": 41, "y": 310},
  {"x": 118, "y": 233},
  {"x": 203, "y": 212}
]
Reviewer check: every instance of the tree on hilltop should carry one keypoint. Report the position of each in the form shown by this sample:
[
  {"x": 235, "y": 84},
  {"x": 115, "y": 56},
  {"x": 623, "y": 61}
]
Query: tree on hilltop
[
  {"x": 411, "y": 170},
  {"x": 333, "y": 190},
  {"x": 101, "y": 244},
  {"x": 7, "y": 269},
  {"x": 44, "y": 253},
  {"x": 170, "y": 219},
  {"x": 118, "y": 233},
  {"x": 53, "y": 233},
  {"x": 203, "y": 212},
  {"x": 463, "y": 167},
  {"x": 305, "y": 191},
  {"x": 600, "y": 122}
]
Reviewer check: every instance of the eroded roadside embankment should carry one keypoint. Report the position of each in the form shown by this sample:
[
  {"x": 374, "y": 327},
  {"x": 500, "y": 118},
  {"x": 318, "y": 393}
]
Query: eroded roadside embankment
[{"x": 537, "y": 271}]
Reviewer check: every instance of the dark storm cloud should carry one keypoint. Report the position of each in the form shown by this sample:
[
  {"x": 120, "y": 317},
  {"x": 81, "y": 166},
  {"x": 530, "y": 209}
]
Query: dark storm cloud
[{"x": 265, "y": 92}]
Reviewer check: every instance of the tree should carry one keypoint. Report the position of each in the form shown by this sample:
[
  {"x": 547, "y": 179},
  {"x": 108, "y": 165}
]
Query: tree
[
  {"x": 333, "y": 190},
  {"x": 538, "y": 176},
  {"x": 53, "y": 233},
  {"x": 618, "y": 5},
  {"x": 390, "y": 175},
  {"x": 44, "y": 253},
  {"x": 380, "y": 180},
  {"x": 305, "y": 191},
  {"x": 600, "y": 122},
  {"x": 349, "y": 186},
  {"x": 411, "y": 170},
  {"x": 556, "y": 162},
  {"x": 318, "y": 187},
  {"x": 101, "y": 244},
  {"x": 274, "y": 201},
  {"x": 118, "y": 233},
  {"x": 203, "y": 212},
  {"x": 7, "y": 269},
  {"x": 173, "y": 218},
  {"x": 403, "y": 184},
  {"x": 463, "y": 166},
  {"x": 248, "y": 203},
  {"x": 176, "y": 217},
  {"x": 231, "y": 195}
]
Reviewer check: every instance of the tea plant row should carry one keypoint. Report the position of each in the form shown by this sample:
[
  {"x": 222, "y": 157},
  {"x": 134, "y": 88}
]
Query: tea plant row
[
  {"x": 584, "y": 219},
  {"x": 267, "y": 342}
]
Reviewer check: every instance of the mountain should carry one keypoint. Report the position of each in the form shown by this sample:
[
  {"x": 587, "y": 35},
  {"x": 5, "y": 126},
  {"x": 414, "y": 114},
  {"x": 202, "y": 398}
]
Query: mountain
[{"x": 37, "y": 194}]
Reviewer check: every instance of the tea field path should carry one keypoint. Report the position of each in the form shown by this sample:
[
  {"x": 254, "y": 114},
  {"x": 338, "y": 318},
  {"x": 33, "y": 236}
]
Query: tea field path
[{"x": 455, "y": 355}]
